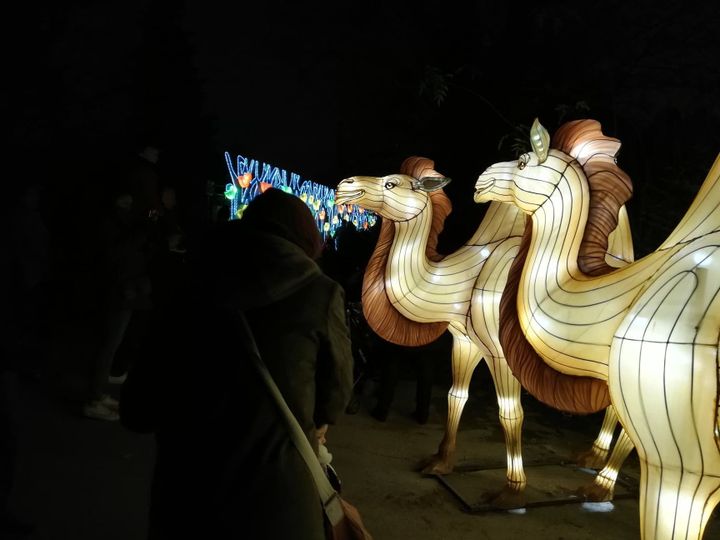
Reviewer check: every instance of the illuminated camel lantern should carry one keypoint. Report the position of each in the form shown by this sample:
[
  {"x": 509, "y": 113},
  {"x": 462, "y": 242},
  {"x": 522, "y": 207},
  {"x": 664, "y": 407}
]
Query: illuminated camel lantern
[
  {"x": 650, "y": 329},
  {"x": 411, "y": 294}
]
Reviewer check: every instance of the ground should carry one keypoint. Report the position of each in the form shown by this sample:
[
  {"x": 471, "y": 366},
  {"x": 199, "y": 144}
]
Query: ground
[{"x": 84, "y": 479}]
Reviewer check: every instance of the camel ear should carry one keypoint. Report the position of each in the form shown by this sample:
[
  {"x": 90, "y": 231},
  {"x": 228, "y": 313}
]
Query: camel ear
[
  {"x": 540, "y": 140},
  {"x": 431, "y": 183}
]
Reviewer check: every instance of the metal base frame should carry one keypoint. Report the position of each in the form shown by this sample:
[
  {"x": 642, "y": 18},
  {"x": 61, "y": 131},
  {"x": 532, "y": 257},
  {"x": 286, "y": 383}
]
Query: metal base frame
[{"x": 483, "y": 505}]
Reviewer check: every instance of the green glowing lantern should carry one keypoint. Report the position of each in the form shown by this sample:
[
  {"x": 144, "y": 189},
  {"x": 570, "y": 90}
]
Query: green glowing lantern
[
  {"x": 230, "y": 191},
  {"x": 240, "y": 209}
]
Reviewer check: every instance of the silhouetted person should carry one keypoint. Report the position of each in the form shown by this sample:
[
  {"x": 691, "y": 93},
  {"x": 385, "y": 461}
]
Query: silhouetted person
[
  {"x": 420, "y": 361},
  {"x": 142, "y": 177},
  {"x": 169, "y": 221},
  {"x": 167, "y": 265},
  {"x": 350, "y": 259},
  {"x": 226, "y": 466},
  {"x": 344, "y": 260},
  {"x": 222, "y": 214},
  {"x": 30, "y": 276},
  {"x": 125, "y": 291}
]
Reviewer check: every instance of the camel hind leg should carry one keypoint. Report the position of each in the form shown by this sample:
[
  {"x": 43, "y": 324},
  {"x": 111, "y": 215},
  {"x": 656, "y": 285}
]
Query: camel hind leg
[
  {"x": 465, "y": 358},
  {"x": 603, "y": 487},
  {"x": 596, "y": 456}
]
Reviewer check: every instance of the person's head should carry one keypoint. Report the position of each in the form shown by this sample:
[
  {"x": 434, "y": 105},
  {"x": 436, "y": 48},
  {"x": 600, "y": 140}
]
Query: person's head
[{"x": 284, "y": 215}]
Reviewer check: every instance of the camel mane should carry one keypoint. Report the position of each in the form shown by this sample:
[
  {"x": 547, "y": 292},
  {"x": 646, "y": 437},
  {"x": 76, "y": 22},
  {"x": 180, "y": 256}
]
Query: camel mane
[
  {"x": 381, "y": 315},
  {"x": 610, "y": 187}
]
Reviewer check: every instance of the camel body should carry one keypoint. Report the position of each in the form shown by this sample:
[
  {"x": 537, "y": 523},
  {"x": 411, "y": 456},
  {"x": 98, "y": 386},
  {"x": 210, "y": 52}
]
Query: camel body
[{"x": 650, "y": 328}]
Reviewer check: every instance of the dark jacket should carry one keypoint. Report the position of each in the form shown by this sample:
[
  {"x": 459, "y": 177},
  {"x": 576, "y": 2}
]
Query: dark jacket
[
  {"x": 225, "y": 461},
  {"x": 125, "y": 273}
]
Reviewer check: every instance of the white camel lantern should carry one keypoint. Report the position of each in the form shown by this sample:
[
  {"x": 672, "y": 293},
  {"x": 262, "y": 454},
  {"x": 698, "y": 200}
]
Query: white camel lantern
[
  {"x": 650, "y": 329},
  {"x": 411, "y": 294}
]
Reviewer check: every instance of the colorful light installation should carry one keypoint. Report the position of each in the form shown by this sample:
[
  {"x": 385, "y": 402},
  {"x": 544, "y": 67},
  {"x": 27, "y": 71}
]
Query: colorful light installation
[{"x": 249, "y": 178}]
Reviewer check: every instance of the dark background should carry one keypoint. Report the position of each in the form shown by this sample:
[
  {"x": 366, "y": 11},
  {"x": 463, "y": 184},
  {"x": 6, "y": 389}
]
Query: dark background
[{"x": 329, "y": 91}]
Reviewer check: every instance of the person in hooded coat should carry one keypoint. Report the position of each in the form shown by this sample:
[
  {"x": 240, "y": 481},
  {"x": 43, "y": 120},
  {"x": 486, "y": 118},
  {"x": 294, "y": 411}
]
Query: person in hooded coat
[{"x": 226, "y": 466}]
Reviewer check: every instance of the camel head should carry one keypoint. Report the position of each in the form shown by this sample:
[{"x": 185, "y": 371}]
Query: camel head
[
  {"x": 528, "y": 181},
  {"x": 397, "y": 197}
]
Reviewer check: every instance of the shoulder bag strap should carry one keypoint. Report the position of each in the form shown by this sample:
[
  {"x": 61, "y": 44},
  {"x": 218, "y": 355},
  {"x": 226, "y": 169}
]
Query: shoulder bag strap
[{"x": 329, "y": 497}]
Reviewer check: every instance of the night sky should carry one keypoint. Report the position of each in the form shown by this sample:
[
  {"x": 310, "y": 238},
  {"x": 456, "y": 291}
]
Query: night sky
[{"x": 332, "y": 91}]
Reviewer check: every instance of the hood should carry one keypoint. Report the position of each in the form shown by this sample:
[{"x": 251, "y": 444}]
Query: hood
[{"x": 265, "y": 269}]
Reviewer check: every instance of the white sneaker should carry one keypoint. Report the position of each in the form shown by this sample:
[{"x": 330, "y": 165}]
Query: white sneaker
[
  {"x": 110, "y": 402},
  {"x": 99, "y": 411},
  {"x": 117, "y": 380}
]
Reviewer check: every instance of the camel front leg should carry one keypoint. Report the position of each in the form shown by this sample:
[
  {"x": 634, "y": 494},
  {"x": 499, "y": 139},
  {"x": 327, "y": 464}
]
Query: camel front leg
[
  {"x": 596, "y": 457},
  {"x": 465, "y": 358},
  {"x": 603, "y": 487},
  {"x": 507, "y": 388}
]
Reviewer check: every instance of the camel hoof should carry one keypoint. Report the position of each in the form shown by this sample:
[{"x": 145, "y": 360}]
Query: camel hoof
[
  {"x": 594, "y": 493},
  {"x": 436, "y": 465},
  {"x": 591, "y": 459}
]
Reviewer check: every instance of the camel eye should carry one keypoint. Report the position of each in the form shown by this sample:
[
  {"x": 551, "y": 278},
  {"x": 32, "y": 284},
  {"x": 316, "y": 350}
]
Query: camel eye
[
  {"x": 523, "y": 161},
  {"x": 390, "y": 185}
]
